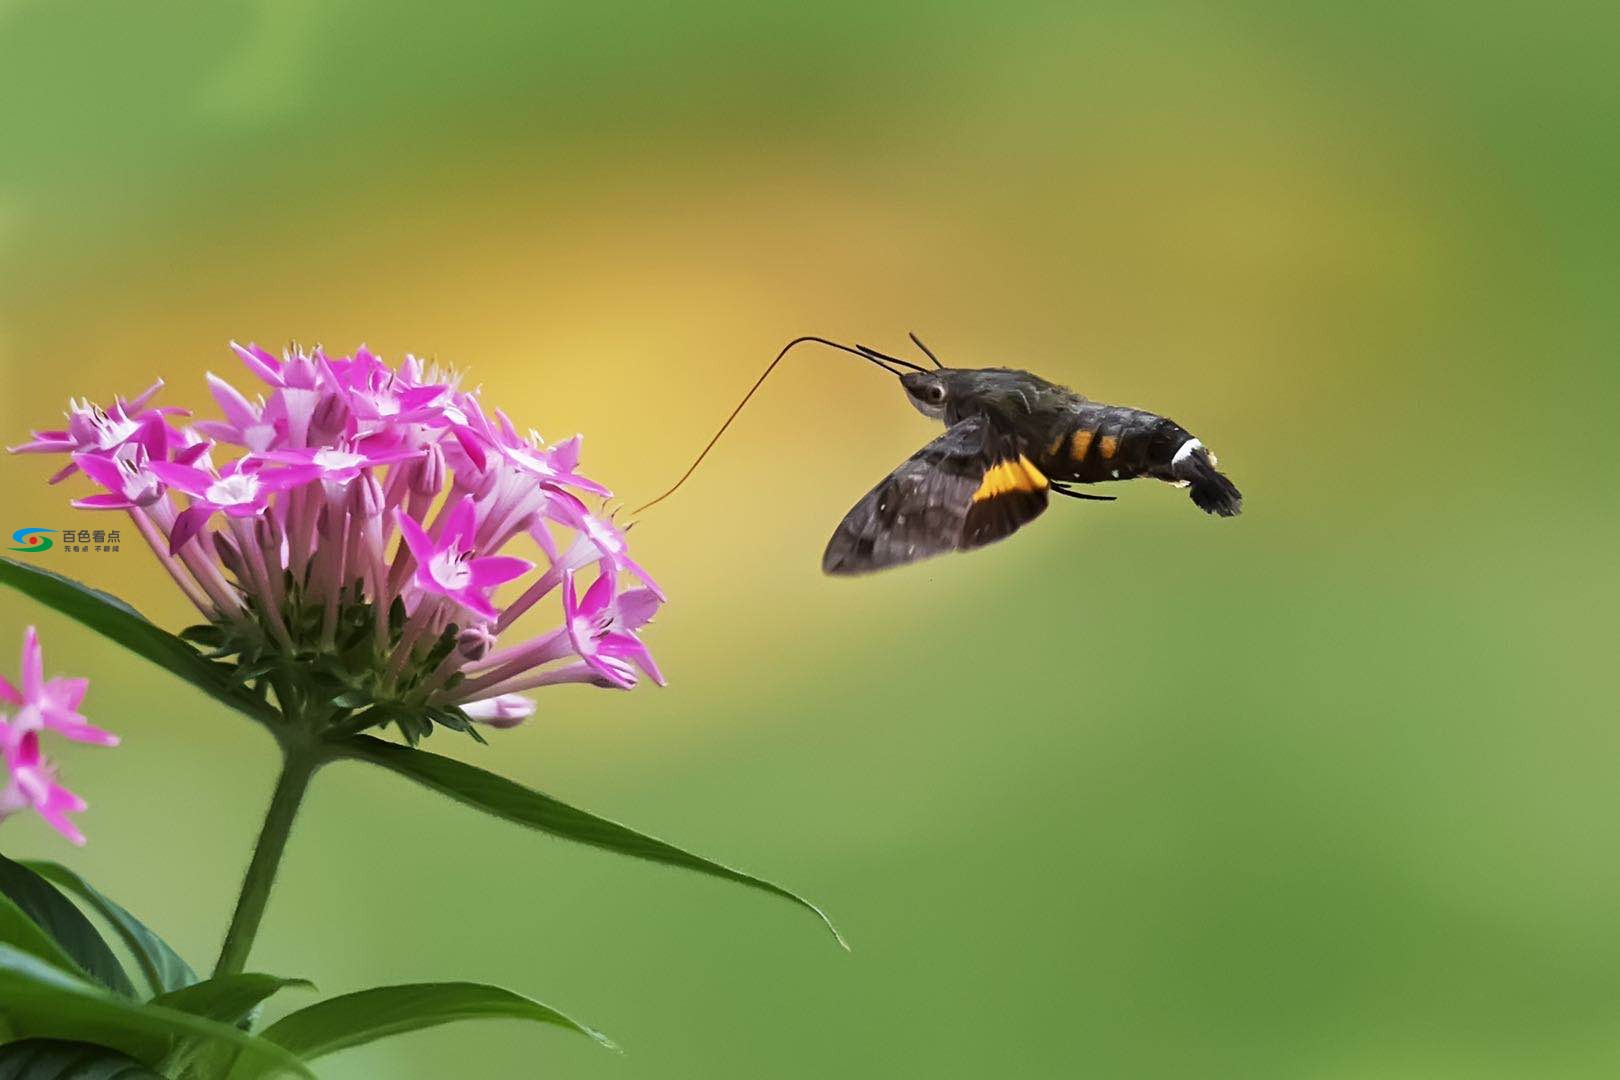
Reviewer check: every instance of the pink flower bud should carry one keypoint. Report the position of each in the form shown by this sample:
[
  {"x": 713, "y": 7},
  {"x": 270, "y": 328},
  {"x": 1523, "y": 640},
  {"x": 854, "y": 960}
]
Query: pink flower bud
[
  {"x": 505, "y": 711},
  {"x": 474, "y": 642},
  {"x": 429, "y": 478},
  {"x": 225, "y": 548},
  {"x": 329, "y": 421},
  {"x": 366, "y": 498}
]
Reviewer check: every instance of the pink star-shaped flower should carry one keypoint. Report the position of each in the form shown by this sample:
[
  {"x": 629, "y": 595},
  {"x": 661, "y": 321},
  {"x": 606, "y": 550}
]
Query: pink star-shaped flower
[
  {"x": 447, "y": 567},
  {"x": 602, "y": 625},
  {"x": 51, "y": 705},
  {"x": 31, "y": 783}
]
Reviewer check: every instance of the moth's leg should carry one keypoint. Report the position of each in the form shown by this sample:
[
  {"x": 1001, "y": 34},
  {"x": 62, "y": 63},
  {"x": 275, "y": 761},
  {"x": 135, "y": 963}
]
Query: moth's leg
[{"x": 1073, "y": 494}]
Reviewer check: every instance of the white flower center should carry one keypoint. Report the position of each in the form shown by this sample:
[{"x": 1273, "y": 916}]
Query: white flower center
[
  {"x": 110, "y": 432},
  {"x": 233, "y": 490},
  {"x": 590, "y": 628},
  {"x": 583, "y": 632},
  {"x": 449, "y": 569},
  {"x": 337, "y": 460},
  {"x": 137, "y": 482}
]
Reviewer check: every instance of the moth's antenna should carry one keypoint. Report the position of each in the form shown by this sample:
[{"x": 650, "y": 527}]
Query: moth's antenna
[
  {"x": 926, "y": 350},
  {"x": 872, "y": 354},
  {"x": 865, "y": 354}
]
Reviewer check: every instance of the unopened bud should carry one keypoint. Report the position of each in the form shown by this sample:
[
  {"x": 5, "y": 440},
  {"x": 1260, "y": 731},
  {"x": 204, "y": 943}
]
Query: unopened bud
[
  {"x": 330, "y": 419},
  {"x": 299, "y": 370},
  {"x": 474, "y": 642},
  {"x": 505, "y": 711},
  {"x": 225, "y": 548},
  {"x": 428, "y": 478},
  {"x": 366, "y": 498}
]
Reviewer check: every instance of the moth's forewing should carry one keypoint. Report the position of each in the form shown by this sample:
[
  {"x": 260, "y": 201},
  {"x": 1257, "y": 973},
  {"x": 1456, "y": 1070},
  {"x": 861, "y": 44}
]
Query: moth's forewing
[{"x": 967, "y": 488}]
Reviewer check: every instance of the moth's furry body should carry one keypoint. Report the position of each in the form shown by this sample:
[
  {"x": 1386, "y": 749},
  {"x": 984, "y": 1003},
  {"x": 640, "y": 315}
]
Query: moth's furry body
[
  {"x": 1069, "y": 437},
  {"x": 1011, "y": 436}
]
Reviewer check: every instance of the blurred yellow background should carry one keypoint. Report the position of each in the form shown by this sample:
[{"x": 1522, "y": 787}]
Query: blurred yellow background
[{"x": 1327, "y": 791}]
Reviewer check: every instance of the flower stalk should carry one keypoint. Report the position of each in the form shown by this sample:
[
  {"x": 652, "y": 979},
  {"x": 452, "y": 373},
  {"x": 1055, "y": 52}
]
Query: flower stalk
[{"x": 298, "y": 765}]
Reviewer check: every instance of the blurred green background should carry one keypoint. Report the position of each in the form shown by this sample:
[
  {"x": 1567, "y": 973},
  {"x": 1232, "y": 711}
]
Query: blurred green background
[{"x": 1326, "y": 791}]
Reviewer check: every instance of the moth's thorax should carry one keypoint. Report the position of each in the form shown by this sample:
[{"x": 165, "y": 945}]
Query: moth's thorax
[{"x": 1022, "y": 405}]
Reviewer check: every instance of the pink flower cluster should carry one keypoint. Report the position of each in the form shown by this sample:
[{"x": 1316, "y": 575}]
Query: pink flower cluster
[
  {"x": 360, "y": 527},
  {"x": 42, "y": 705}
]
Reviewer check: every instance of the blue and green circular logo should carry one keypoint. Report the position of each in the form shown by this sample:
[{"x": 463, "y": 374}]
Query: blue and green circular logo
[{"x": 32, "y": 539}]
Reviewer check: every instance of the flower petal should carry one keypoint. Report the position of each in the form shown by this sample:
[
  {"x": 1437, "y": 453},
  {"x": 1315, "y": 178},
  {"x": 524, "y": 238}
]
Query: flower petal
[
  {"x": 103, "y": 469},
  {"x": 79, "y": 730},
  {"x": 416, "y": 539},
  {"x": 460, "y": 526},
  {"x": 66, "y": 693},
  {"x": 191, "y": 480},
  {"x": 600, "y": 594},
  {"x": 188, "y": 523},
  {"x": 646, "y": 579},
  {"x": 236, "y": 408},
  {"x": 33, "y": 667},
  {"x": 629, "y": 647},
  {"x": 637, "y": 607},
  {"x": 57, "y": 804},
  {"x": 492, "y": 570},
  {"x": 259, "y": 362},
  {"x": 475, "y": 602}
]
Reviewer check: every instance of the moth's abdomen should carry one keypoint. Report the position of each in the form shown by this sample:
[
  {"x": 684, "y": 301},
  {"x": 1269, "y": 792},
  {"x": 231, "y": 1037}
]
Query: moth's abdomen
[{"x": 1096, "y": 442}]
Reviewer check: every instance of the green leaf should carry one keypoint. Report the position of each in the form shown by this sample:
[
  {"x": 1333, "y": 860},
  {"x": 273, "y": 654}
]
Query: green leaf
[
  {"x": 226, "y": 998},
  {"x": 161, "y": 965},
  {"x": 355, "y": 1019},
  {"x": 59, "y": 1059},
  {"x": 505, "y": 799},
  {"x": 65, "y": 924},
  {"x": 112, "y": 618},
  {"x": 38, "y": 1000},
  {"x": 24, "y": 934}
]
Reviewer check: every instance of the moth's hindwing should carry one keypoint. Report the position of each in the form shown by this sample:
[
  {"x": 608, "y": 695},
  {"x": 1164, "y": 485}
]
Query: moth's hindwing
[{"x": 967, "y": 488}]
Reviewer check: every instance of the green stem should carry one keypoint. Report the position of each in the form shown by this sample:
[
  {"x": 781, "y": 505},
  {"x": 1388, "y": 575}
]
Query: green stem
[{"x": 296, "y": 769}]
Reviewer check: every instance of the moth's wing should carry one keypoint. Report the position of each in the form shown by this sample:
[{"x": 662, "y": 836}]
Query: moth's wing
[{"x": 967, "y": 488}]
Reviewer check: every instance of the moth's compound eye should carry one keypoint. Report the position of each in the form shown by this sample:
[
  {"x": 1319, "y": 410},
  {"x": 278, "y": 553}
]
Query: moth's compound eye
[{"x": 926, "y": 391}]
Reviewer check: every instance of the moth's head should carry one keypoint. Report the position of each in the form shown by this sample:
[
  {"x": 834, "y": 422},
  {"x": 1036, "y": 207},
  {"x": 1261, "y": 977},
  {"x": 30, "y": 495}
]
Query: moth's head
[{"x": 929, "y": 391}]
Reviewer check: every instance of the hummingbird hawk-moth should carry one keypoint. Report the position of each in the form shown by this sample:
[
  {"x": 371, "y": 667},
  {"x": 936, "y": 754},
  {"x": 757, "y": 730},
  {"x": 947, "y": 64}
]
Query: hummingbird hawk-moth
[{"x": 1012, "y": 439}]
